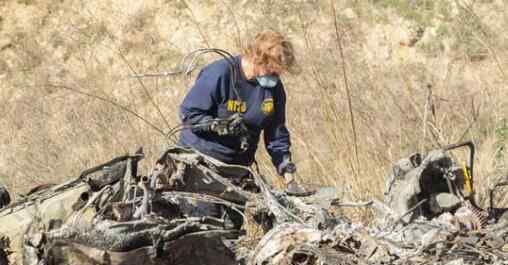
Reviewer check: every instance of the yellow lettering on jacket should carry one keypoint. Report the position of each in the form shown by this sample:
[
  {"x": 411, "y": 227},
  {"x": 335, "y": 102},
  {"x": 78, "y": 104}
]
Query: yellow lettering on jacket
[{"x": 236, "y": 106}]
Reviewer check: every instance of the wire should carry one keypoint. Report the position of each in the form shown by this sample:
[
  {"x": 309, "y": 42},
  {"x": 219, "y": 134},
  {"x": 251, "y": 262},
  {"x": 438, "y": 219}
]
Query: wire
[
  {"x": 110, "y": 101},
  {"x": 188, "y": 64},
  {"x": 145, "y": 89},
  {"x": 194, "y": 55},
  {"x": 181, "y": 126}
]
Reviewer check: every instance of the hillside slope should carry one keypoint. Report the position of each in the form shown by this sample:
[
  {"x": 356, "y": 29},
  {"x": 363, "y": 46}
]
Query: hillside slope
[{"x": 419, "y": 74}]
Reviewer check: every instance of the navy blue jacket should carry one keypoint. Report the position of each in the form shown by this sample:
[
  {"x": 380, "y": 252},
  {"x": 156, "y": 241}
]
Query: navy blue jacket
[{"x": 263, "y": 109}]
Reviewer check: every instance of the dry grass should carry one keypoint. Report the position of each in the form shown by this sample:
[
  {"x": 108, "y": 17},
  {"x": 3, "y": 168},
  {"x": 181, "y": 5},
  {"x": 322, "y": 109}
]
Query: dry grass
[{"x": 450, "y": 86}]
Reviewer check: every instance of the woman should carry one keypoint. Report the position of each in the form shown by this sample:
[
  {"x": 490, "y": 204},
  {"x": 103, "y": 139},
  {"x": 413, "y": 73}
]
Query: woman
[{"x": 225, "y": 120}]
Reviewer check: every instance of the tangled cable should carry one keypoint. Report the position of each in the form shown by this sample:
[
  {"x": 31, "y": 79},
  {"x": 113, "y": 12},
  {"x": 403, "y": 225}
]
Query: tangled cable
[{"x": 186, "y": 66}]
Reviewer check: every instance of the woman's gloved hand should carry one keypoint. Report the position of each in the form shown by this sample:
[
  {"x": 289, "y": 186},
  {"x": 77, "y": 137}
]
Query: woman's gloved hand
[
  {"x": 232, "y": 126},
  {"x": 287, "y": 169},
  {"x": 292, "y": 186}
]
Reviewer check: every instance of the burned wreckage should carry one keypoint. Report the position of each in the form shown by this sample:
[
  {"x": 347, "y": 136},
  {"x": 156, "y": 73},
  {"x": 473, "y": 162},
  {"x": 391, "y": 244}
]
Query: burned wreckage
[{"x": 188, "y": 211}]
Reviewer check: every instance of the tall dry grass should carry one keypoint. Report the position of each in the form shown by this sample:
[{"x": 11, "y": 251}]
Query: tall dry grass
[{"x": 369, "y": 92}]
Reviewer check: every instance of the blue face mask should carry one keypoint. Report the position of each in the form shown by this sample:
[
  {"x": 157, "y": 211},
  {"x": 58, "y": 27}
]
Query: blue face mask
[{"x": 268, "y": 81}]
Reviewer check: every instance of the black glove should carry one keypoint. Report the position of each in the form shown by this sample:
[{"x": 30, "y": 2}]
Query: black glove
[
  {"x": 232, "y": 126},
  {"x": 286, "y": 166}
]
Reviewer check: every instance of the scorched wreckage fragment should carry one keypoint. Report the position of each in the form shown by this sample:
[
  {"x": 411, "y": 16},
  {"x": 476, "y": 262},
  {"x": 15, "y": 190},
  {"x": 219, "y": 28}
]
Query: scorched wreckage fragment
[{"x": 188, "y": 211}]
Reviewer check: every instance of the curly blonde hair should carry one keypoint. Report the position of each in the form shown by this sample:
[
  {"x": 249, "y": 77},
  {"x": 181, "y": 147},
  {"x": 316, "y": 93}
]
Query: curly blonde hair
[{"x": 271, "y": 49}]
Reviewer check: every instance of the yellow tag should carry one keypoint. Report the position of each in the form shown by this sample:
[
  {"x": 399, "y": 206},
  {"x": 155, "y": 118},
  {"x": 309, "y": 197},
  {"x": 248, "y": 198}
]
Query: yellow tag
[
  {"x": 468, "y": 181},
  {"x": 505, "y": 248}
]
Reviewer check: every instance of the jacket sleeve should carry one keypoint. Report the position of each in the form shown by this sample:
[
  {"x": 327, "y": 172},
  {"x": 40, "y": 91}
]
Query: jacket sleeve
[
  {"x": 200, "y": 103},
  {"x": 276, "y": 135}
]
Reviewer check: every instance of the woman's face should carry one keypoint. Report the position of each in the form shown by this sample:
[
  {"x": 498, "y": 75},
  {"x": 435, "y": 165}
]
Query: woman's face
[
  {"x": 266, "y": 77},
  {"x": 262, "y": 70}
]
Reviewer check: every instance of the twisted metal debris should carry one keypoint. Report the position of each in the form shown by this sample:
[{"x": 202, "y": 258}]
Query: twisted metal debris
[{"x": 188, "y": 210}]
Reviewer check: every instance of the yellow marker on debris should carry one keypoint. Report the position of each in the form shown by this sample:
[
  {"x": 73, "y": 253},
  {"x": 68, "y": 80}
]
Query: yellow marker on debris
[
  {"x": 505, "y": 248},
  {"x": 468, "y": 180}
]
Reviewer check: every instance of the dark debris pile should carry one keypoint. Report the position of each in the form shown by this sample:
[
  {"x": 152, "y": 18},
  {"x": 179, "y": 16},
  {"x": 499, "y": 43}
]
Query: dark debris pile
[{"x": 188, "y": 211}]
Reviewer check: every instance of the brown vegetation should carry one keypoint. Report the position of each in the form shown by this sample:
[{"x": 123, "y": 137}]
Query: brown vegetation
[{"x": 379, "y": 79}]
